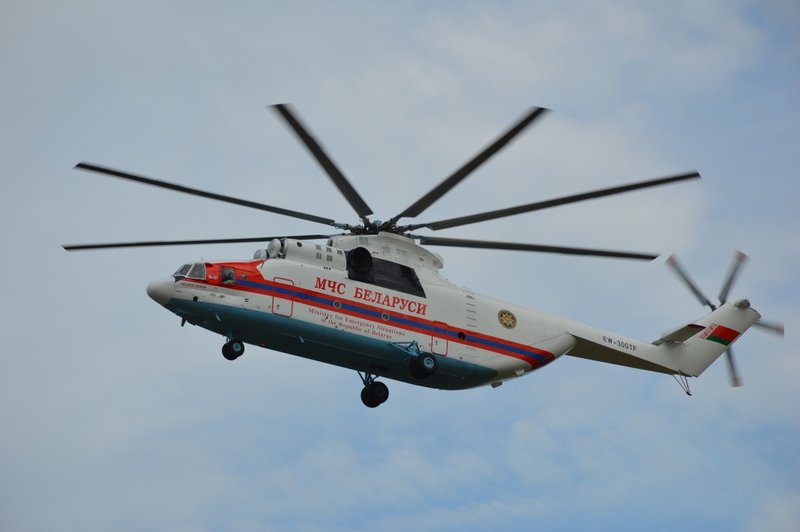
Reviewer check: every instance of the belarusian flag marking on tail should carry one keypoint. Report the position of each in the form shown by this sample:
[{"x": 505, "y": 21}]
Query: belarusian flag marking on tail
[{"x": 722, "y": 335}]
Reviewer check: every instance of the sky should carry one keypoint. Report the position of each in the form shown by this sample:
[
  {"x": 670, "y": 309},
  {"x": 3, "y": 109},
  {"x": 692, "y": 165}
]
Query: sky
[{"x": 116, "y": 418}]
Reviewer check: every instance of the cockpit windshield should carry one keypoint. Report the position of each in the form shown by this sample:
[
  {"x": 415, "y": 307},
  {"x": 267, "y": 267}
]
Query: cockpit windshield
[{"x": 191, "y": 271}]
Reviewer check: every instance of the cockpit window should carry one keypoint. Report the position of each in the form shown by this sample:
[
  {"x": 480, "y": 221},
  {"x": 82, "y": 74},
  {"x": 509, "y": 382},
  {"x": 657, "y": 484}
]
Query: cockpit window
[
  {"x": 192, "y": 271},
  {"x": 182, "y": 271},
  {"x": 198, "y": 271}
]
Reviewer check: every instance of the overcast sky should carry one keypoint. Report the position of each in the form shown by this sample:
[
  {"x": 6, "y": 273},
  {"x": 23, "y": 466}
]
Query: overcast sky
[{"x": 116, "y": 418}]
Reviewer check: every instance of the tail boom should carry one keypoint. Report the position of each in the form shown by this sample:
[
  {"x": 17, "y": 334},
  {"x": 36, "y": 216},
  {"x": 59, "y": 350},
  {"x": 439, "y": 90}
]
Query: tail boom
[{"x": 688, "y": 351}]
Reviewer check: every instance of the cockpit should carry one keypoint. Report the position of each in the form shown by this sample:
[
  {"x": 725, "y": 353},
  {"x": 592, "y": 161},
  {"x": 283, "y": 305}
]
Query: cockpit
[{"x": 196, "y": 270}]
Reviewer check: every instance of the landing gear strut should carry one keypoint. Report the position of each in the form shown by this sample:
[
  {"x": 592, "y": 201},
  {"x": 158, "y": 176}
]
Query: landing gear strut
[
  {"x": 233, "y": 349},
  {"x": 374, "y": 393}
]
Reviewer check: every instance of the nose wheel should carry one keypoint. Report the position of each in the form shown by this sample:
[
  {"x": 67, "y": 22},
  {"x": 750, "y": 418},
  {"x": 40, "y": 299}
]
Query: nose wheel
[
  {"x": 233, "y": 349},
  {"x": 374, "y": 393}
]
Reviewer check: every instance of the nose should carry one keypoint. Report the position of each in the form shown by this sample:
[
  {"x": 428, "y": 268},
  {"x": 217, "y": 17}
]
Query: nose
[{"x": 161, "y": 290}]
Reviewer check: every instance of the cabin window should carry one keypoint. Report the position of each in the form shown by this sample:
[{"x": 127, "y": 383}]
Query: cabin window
[{"x": 228, "y": 276}]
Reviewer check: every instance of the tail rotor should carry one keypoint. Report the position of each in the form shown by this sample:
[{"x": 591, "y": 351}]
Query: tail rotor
[{"x": 739, "y": 260}]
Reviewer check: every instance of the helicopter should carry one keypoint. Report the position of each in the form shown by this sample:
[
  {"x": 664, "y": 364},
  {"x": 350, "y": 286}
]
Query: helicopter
[{"x": 372, "y": 298}]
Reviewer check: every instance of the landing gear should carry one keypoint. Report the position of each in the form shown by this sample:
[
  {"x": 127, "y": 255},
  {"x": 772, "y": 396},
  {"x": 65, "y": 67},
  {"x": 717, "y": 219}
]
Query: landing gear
[
  {"x": 233, "y": 349},
  {"x": 422, "y": 365},
  {"x": 374, "y": 393}
]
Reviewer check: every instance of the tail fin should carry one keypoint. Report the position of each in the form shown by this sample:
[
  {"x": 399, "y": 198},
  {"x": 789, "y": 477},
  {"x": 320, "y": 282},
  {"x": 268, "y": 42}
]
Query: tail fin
[{"x": 720, "y": 329}]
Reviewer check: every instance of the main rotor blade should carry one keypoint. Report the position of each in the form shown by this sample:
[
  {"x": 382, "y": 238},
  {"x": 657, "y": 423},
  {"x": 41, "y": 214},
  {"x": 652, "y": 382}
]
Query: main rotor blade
[
  {"x": 739, "y": 259},
  {"x": 442, "y": 188},
  {"x": 341, "y": 182},
  {"x": 736, "y": 381},
  {"x": 210, "y": 195},
  {"x": 514, "y": 246},
  {"x": 501, "y": 213},
  {"x": 154, "y": 243},
  {"x": 673, "y": 263}
]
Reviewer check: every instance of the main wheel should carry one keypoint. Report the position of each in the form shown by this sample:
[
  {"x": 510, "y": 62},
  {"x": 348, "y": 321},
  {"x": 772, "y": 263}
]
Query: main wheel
[
  {"x": 422, "y": 366},
  {"x": 428, "y": 364}
]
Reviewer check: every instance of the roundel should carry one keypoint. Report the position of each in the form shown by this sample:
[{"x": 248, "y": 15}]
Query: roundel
[{"x": 507, "y": 319}]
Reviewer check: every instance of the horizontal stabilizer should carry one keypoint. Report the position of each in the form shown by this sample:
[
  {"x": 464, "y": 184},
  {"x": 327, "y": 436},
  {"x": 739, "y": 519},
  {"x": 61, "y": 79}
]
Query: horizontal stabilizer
[{"x": 679, "y": 335}]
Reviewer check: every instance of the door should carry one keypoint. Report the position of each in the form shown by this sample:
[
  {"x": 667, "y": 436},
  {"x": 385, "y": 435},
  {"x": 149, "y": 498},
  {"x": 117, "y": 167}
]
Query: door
[
  {"x": 282, "y": 303},
  {"x": 439, "y": 338}
]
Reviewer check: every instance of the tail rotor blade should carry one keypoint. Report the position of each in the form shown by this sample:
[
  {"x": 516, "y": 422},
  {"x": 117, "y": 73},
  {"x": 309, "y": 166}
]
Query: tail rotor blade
[
  {"x": 736, "y": 381},
  {"x": 775, "y": 327},
  {"x": 739, "y": 260},
  {"x": 673, "y": 263}
]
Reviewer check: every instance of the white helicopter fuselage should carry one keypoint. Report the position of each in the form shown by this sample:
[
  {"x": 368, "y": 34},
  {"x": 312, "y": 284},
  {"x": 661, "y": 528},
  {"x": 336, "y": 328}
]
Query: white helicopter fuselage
[
  {"x": 373, "y": 300},
  {"x": 306, "y": 299}
]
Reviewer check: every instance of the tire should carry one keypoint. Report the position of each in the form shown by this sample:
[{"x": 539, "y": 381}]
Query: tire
[
  {"x": 237, "y": 347},
  {"x": 422, "y": 366},
  {"x": 428, "y": 364},
  {"x": 380, "y": 392},
  {"x": 415, "y": 369},
  {"x": 374, "y": 394},
  {"x": 367, "y": 399},
  {"x": 233, "y": 349}
]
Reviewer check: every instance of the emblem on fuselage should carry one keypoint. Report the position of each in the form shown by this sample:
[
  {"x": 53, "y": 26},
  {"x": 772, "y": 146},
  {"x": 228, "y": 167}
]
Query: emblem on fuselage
[{"x": 507, "y": 319}]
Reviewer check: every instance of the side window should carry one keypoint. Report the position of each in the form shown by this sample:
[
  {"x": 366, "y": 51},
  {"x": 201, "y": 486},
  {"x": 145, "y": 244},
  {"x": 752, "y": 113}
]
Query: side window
[{"x": 228, "y": 276}]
